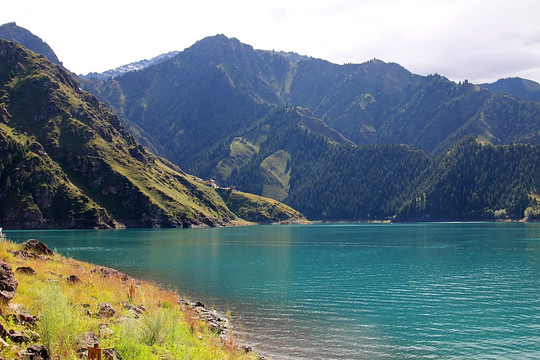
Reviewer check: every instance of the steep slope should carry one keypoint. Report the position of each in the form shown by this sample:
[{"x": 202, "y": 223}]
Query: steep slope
[
  {"x": 207, "y": 93},
  {"x": 383, "y": 103},
  {"x": 13, "y": 32},
  {"x": 258, "y": 159},
  {"x": 36, "y": 193},
  {"x": 99, "y": 157}
]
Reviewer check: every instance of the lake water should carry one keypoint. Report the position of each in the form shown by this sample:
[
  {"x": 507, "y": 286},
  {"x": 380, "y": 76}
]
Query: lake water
[{"x": 345, "y": 291}]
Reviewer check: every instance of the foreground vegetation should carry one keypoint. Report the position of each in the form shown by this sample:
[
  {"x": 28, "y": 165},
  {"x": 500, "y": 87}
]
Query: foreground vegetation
[{"x": 66, "y": 300}]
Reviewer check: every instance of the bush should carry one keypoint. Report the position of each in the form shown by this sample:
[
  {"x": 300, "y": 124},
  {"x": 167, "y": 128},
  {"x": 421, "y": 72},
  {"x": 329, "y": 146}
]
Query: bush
[{"x": 156, "y": 326}]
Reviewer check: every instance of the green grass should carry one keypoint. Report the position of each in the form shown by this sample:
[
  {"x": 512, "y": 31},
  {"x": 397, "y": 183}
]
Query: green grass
[
  {"x": 277, "y": 174},
  {"x": 241, "y": 152}
]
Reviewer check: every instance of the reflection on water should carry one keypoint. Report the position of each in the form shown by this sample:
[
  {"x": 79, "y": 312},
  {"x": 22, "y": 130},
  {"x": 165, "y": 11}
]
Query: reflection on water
[{"x": 345, "y": 291}]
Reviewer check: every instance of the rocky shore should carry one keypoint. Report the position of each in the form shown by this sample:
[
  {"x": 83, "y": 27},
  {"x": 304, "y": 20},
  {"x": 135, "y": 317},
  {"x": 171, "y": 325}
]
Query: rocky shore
[
  {"x": 106, "y": 308},
  {"x": 217, "y": 323}
]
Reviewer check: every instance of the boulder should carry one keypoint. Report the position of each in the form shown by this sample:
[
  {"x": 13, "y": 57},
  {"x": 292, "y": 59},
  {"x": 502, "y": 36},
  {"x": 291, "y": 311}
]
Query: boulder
[
  {"x": 38, "y": 352},
  {"x": 246, "y": 348},
  {"x": 8, "y": 283},
  {"x": 37, "y": 247},
  {"x": 90, "y": 339},
  {"x": 136, "y": 311},
  {"x": 23, "y": 319},
  {"x": 107, "y": 271},
  {"x": 105, "y": 310},
  {"x": 73, "y": 279},
  {"x": 24, "y": 336},
  {"x": 25, "y": 270},
  {"x": 111, "y": 354}
]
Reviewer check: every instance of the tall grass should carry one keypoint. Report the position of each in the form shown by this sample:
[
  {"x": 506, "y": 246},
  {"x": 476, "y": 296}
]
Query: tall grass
[{"x": 60, "y": 324}]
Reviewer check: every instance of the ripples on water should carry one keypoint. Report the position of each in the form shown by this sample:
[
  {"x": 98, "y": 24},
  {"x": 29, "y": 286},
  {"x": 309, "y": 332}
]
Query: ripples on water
[{"x": 460, "y": 291}]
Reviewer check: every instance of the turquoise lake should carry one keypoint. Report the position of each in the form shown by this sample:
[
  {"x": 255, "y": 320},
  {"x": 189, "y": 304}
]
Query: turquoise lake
[{"x": 345, "y": 291}]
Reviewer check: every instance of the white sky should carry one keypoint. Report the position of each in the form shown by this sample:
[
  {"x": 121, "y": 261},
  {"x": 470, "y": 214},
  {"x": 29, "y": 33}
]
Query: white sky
[{"x": 478, "y": 40}]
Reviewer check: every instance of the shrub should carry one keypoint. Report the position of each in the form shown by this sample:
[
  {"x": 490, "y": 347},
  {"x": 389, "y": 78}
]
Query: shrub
[
  {"x": 59, "y": 324},
  {"x": 156, "y": 326}
]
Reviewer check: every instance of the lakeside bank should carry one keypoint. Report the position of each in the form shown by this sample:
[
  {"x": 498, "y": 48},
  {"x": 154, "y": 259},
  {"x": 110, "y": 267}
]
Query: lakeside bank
[{"x": 56, "y": 307}]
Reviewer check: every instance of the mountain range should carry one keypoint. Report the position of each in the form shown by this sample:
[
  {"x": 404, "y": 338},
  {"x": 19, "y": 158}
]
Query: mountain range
[
  {"x": 256, "y": 119},
  {"x": 67, "y": 161},
  {"x": 218, "y": 86},
  {"x": 337, "y": 142}
]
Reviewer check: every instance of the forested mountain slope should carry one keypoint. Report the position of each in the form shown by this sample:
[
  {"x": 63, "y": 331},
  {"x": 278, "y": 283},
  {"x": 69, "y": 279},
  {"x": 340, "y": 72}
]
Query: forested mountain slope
[
  {"x": 297, "y": 129},
  {"x": 478, "y": 181},
  {"x": 522, "y": 88},
  {"x": 67, "y": 161}
]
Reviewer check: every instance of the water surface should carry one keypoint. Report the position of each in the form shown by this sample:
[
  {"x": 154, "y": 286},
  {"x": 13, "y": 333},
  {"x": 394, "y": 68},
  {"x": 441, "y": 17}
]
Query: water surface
[{"x": 345, "y": 291}]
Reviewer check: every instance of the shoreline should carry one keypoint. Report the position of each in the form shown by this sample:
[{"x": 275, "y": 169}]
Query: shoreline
[{"x": 140, "y": 298}]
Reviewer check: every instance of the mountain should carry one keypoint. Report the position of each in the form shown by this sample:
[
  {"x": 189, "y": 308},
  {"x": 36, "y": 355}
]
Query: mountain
[
  {"x": 258, "y": 159},
  {"x": 522, "y": 88},
  {"x": 14, "y": 33},
  {"x": 289, "y": 127},
  {"x": 220, "y": 86},
  {"x": 67, "y": 161},
  {"x": 134, "y": 66}
]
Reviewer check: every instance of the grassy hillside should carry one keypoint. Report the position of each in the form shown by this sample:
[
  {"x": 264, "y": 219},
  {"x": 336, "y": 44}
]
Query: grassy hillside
[
  {"x": 260, "y": 210},
  {"x": 62, "y": 300}
]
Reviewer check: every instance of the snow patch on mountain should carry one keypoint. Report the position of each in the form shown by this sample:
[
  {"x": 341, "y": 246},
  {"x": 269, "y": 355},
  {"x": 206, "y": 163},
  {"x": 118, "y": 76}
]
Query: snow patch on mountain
[{"x": 134, "y": 66}]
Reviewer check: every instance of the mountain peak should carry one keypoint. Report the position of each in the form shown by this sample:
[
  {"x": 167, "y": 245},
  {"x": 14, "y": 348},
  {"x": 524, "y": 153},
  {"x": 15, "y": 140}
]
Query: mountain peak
[{"x": 14, "y": 33}]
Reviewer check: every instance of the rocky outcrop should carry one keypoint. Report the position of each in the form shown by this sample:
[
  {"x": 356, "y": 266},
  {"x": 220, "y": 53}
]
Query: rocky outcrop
[
  {"x": 107, "y": 271},
  {"x": 135, "y": 311},
  {"x": 38, "y": 352},
  {"x": 8, "y": 283},
  {"x": 23, "y": 319},
  {"x": 23, "y": 254},
  {"x": 23, "y": 337},
  {"x": 111, "y": 354},
  {"x": 37, "y": 247}
]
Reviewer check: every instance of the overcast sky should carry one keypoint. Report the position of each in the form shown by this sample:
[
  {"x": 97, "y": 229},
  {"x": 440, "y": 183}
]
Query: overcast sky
[{"x": 478, "y": 40}]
